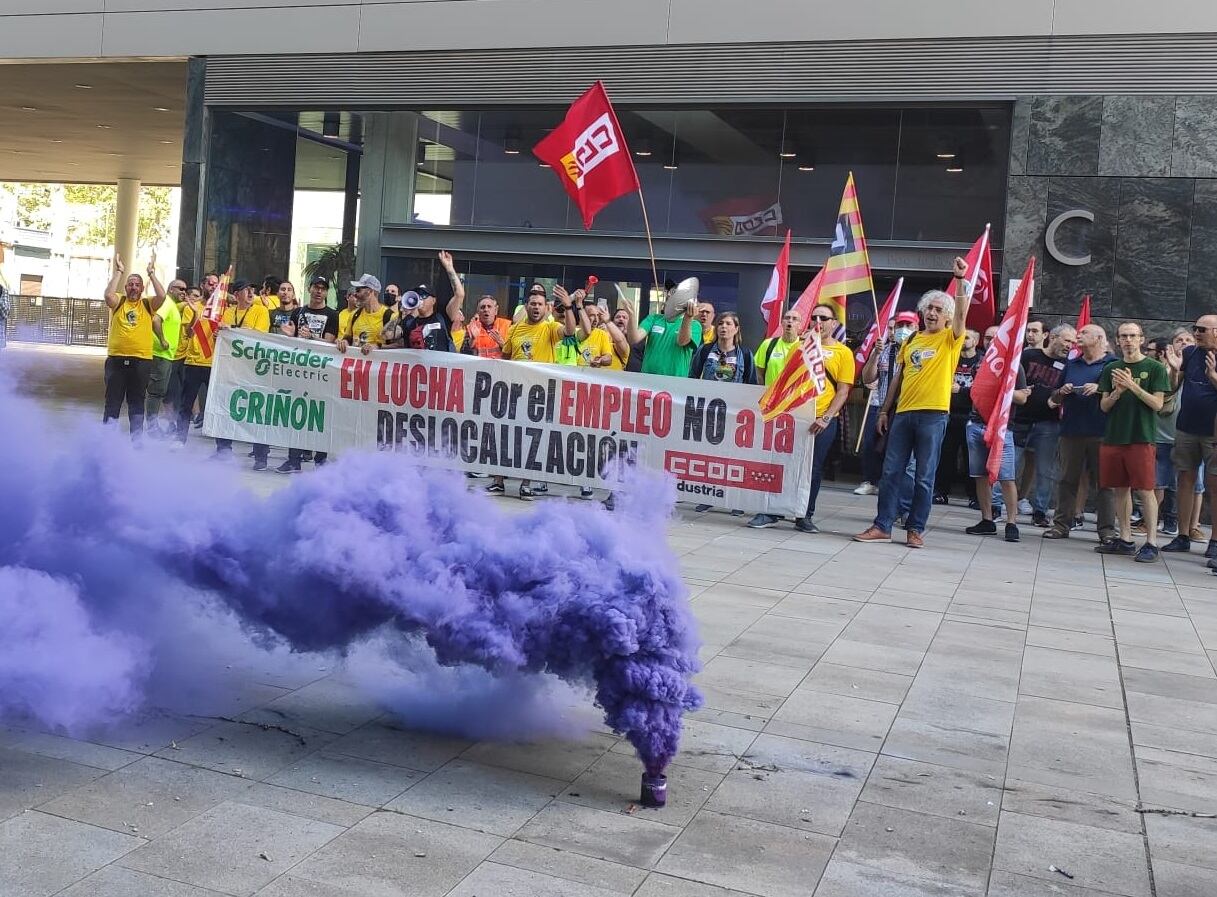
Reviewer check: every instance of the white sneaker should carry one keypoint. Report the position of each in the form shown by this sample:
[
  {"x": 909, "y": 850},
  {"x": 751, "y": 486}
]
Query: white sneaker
[
  {"x": 867, "y": 489},
  {"x": 1024, "y": 507}
]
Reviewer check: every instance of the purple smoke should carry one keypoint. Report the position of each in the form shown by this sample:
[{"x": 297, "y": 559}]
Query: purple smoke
[{"x": 138, "y": 563}]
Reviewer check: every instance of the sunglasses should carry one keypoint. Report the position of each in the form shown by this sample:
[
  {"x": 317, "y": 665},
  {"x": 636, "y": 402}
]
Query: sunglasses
[
  {"x": 822, "y": 318},
  {"x": 1196, "y": 328}
]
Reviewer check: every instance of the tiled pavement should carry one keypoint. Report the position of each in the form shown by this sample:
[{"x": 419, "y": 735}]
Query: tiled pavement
[{"x": 958, "y": 721}]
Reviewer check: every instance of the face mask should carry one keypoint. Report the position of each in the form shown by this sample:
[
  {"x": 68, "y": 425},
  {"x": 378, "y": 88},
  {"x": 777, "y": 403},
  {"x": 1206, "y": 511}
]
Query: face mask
[{"x": 903, "y": 333}]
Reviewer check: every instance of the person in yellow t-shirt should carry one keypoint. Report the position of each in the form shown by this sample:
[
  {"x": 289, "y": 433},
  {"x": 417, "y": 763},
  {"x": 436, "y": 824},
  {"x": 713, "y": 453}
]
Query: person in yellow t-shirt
[
  {"x": 920, "y": 393},
  {"x": 534, "y": 339},
  {"x": 839, "y": 371},
  {"x": 247, "y": 314},
  {"x": 606, "y": 342},
  {"x": 133, "y": 326},
  {"x": 705, "y": 314}
]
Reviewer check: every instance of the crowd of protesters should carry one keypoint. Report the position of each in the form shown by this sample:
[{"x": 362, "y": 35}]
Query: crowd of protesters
[{"x": 1129, "y": 432}]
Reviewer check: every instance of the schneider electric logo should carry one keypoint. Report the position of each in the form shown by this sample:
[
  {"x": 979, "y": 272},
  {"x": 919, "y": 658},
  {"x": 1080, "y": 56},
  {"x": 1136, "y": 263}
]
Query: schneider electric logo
[{"x": 302, "y": 364}]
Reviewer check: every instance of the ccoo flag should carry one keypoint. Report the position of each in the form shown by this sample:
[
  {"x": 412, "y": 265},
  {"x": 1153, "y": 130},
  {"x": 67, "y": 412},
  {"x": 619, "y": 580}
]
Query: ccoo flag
[
  {"x": 589, "y": 154},
  {"x": 878, "y": 329},
  {"x": 1083, "y": 320},
  {"x": 993, "y": 388},
  {"x": 773, "y": 303},
  {"x": 802, "y": 379},
  {"x": 847, "y": 271},
  {"x": 982, "y": 307}
]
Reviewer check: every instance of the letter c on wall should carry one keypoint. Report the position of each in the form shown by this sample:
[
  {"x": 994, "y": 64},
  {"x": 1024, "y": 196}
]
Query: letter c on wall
[{"x": 1050, "y": 237}]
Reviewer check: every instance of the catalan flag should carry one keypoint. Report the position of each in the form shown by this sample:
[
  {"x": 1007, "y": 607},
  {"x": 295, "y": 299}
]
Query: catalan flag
[
  {"x": 847, "y": 271},
  {"x": 801, "y": 380},
  {"x": 206, "y": 325}
]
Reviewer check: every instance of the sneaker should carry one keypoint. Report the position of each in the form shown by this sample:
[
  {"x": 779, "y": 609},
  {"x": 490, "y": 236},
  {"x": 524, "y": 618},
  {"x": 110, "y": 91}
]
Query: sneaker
[
  {"x": 609, "y": 503},
  {"x": 1040, "y": 519},
  {"x": 900, "y": 522},
  {"x": 495, "y": 489},
  {"x": 874, "y": 534},
  {"x": 941, "y": 499},
  {"x": 805, "y": 525},
  {"x": 1055, "y": 533},
  {"x": 1147, "y": 555},
  {"x": 1211, "y": 551},
  {"x": 1212, "y": 565},
  {"x": 287, "y": 467},
  {"x": 737, "y": 513},
  {"x": 1197, "y": 534},
  {"x": 984, "y": 528},
  {"x": 1024, "y": 507},
  {"x": 585, "y": 493},
  {"x": 867, "y": 489},
  {"x": 762, "y": 521},
  {"x": 1139, "y": 528},
  {"x": 1136, "y": 518},
  {"x": 251, "y": 454},
  {"x": 541, "y": 488},
  {"x": 700, "y": 509},
  {"x": 259, "y": 464},
  {"x": 1169, "y": 528},
  {"x": 1179, "y": 543},
  {"x": 973, "y": 505},
  {"x": 913, "y": 539},
  {"x": 526, "y": 493},
  {"x": 1078, "y": 522},
  {"x": 1117, "y": 546},
  {"x": 1011, "y": 533},
  {"x": 198, "y": 422}
]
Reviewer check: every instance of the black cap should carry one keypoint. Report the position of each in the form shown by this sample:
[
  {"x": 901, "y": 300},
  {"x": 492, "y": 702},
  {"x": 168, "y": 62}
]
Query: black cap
[
  {"x": 423, "y": 291},
  {"x": 238, "y": 285},
  {"x": 319, "y": 280},
  {"x": 669, "y": 284},
  {"x": 537, "y": 289}
]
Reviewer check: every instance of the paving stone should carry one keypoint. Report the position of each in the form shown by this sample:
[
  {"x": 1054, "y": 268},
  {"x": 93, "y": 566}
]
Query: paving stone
[
  {"x": 730, "y": 674},
  {"x": 233, "y": 848},
  {"x": 302, "y": 803},
  {"x": 1201, "y": 689},
  {"x": 1178, "y": 880},
  {"x": 845, "y": 879},
  {"x": 1076, "y": 746},
  {"x": 83, "y": 752},
  {"x": 795, "y": 783},
  {"x": 833, "y": 719},
  {"x": 704, "y": 745},
  {"x": 744, "y": 854},
  {"x": 1080, "y": 807},
  {"x": 574, "y": 867},
  {"x": 246, "y": 749},
  {"x": 390, "y": 855},
  {"x": 387, "y": 743},
  {"x": 613, "y": 784},
  {"x": 326, "y": 705},
  {"x": 889, "y": 659},
  {"x": 1182, "y": 839},
  {"x": 1067, "y": 640},
  {"x": 1097, "y": 858},
  {"x": 28, "y": 780},
  {"x": 563, "y": 760},
  {"x": 148, "y": 798},
  {"x": 1174, "y": 779},
  {"x": 658, "y": 885},
  {"x": 1188, "y": 664},
  {"x": 1007, "y": 884},
  {"x": 870, "y": 685},
  {"x": 936, "y": 790},
  {"x": 783, "y": 641},
  {"x": 508, "y": 881},
  {"x": 917, "y": 845},
  {"x": 115, "y": 881},
  {"x": 347, "y": 778},
  {"x": 41, "y": 854},
  {"x": 485, "y": 798},
  {"x": 616, "y": 837}
]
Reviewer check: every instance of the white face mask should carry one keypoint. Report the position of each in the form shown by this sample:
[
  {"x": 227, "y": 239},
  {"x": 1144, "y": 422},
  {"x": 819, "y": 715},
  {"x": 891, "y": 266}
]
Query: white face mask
[{"x": 903, "y": 333}]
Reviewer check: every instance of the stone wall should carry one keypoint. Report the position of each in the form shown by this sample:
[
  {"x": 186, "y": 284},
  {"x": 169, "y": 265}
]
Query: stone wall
[{"x": 1146, "y": 167}]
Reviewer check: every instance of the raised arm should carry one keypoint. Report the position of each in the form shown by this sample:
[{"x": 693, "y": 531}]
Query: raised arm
[
  {"x": 633, "y": 332},
  {"x": 569, "y": 323},
  {"x": 685, "y": 336},
  {"x": 157, "y": 287},
  {"x": 620, "y": 344},
  {"x": 962, "y": 300},
  {"x": 113, "y": 300},
  {"x": 457, "y": 302}
]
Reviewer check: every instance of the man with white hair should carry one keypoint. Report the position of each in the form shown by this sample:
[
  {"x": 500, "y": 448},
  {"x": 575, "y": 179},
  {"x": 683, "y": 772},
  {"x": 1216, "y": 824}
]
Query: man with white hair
[{"x": 920, "y": 395}]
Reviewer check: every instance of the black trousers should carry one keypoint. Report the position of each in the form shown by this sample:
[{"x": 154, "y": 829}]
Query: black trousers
[
  {"x": 950, "y": 470},
  {"x": 194, "y": 378},
  {"x": 127, "y": 380},
  {"x": 297, "y": 455}
]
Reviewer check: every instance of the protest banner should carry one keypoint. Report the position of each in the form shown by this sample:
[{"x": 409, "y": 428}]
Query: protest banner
[{"x": 550, "y": 423}]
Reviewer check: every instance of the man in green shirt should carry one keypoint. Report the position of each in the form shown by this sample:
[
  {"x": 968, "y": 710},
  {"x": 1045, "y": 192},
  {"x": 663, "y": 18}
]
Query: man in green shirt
[
  {"x": 671, "y": 338},
  {"x": 1132, "y": 391},
  {"x": 163, "y": 352},
  {"x": 772, "y": 353}
]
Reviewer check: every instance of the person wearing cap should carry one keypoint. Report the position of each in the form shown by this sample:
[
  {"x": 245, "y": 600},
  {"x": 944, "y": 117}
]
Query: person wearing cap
[
  {"x": 368, "y": 323},
  {"x": 920, "y": 396},
  {"x": 315, "y": 321},
  {"x": 429, "y": 327}
]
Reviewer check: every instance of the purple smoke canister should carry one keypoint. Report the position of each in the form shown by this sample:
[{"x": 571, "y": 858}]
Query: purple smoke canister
[{"x": 654, "y": 790}]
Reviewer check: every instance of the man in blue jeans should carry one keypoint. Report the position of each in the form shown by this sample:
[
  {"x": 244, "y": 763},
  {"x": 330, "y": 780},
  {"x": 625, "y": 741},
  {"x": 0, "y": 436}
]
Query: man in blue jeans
[{"x": 920, "y": 394}]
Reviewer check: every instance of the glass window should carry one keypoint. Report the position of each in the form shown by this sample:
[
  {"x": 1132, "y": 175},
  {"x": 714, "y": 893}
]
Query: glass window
[
  {"x": 512, "y": 189},
  {"x": 952, "y": 174},
  {"x": 445, "y": 161},
  {"x": 649, "y": 136}
]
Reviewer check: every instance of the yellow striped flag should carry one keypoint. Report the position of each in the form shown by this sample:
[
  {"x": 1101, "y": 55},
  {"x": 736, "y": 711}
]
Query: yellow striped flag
[
  {"x": 847, "y": 271},
  {"x": 801, "y": 380}
]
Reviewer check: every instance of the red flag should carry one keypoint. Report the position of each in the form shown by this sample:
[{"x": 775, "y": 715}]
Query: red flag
[
  {"x": 982, "y": 311},
  {"x": 773, "y": 303},
  {"x": 878, "y": 329},
  {"x": 993, "y": 388},
  {"x": 1083, "y": 320},
  {"x": 807, "y": 300},
  {"x": 589, "y": 154}
]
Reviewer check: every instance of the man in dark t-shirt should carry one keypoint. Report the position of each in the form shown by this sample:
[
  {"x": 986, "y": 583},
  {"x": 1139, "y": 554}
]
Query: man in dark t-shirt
[
  {"x": 424, "y": 324},
  {"x": 1195, "y": 444},
  {"x": 315, "y": 321},
  {"x": 1037, "y": 426}
]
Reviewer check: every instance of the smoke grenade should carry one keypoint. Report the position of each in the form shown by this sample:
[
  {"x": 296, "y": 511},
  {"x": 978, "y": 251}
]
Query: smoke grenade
[{"x": 124, "y": 573}]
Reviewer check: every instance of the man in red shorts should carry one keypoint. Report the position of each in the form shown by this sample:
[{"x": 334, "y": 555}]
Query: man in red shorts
[{"x": 1132, "y": 390}]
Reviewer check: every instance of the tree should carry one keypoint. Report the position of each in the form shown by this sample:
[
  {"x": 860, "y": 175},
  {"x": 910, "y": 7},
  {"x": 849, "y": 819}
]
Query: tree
[
  {"x": 33, "y": 204},
  {"x": 96, "y": 205}
]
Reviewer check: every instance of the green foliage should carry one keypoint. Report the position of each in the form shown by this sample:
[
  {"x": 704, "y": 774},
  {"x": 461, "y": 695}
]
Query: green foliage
[
  {"x": 334, "y": 263},
  {"x": 95, "y": 206},
  {"x": 33, "y": 204}
]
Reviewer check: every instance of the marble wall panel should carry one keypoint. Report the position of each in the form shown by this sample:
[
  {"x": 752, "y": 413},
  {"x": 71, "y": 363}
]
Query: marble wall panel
[
  {"x": 1026, "y": 206},
  {"x": 1063, "y": 135},
  {"x": 1062, "y": 287},
  {"x": 1137, "y": 136},
  {"x": 1194, "y": 154},
  {"x": 1202, "y": 259},
  {"x": 1152, "y": 245}
]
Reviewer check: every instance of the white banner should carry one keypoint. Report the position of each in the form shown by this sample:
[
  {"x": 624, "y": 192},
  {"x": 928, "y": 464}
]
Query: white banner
[{"x": 548, "y": 423}]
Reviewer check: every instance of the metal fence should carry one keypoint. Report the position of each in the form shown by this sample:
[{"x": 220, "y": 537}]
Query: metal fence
[{"x": 64, "y": 322}]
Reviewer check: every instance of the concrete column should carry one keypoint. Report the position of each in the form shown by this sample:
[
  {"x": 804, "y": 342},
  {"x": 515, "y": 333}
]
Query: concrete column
[{"x": 126, "y": 221}]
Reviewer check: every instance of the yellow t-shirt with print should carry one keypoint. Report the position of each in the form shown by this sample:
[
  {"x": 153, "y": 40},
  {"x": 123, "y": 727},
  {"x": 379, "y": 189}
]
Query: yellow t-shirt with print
[
  {"x": 184, "y": 341},
  {"x": 839, "y": 365},
  {"x": 256, "y": 317},
  {"x": 130, "y": 330},
  {"x": 194, "y": 352},
  {"x": 708, "y": 335},
  {"x": 929, "y": 361},
  {"x": 532, "y": 342},
  {"x": 597, "y": 344},
  {"x": 354, "y": 321}
]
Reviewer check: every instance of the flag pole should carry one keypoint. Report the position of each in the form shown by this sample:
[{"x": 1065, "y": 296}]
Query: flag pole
[{"x": 646, "y": 222}]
